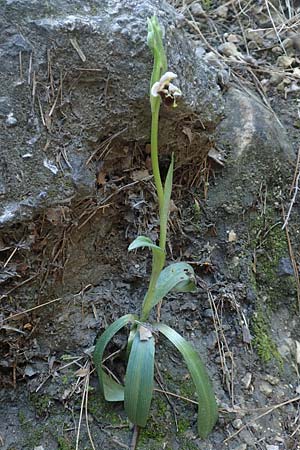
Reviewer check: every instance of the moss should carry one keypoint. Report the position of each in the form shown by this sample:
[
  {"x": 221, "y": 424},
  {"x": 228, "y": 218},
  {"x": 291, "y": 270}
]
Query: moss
[
  {"x": 268, "y": 243},
  {"x": 183, "y": 425},
  {"x": 64, "y": 444},
  {"x": 104, "y": 411},
  {"x": 265, "y": 346},
  {"x": 41, "y": 403},
  {"x": 22, "y": 418}
]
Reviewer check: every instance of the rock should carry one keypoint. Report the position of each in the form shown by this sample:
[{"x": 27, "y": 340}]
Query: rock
[
  {"x": 272, "y": 380},
  {"x": 266, "y": 388},
  {"x": 208, "y": 313},
  {"x": 222, "y": 11},
  {"x": 285, "y": 61},
  {"x": 229, "y": 49},
  {"x": 212, "y": 340},
  {"x": 197, "y": 10},
  {"x": 11, "y": 121},
  {"x": 285, "y": 267},
  {"x": 237, "y": 424},
  {"x": 276, "y": 78},
  {"x": 107, "y": 69},
  {"x": 5, "y": 107},
  {"x": 249, "y": 151},
  {"x": 246, "y": 380},
  {"x": 272, "y": 447},
  {"x": 241, "y": 447},
  {"x": 255, "y": 36}
]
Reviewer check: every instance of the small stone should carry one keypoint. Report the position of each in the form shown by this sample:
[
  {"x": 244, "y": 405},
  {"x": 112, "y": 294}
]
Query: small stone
[
  {"x": 272, "y": 380},
  {"x": 288, "y": 43},
  {"x": 11, "y": 121},
  {"x": 233, "y": 38},
  {"x": 237, "y": 424},
  {"x": 297, "y": 389},
  {"x": 246, "y": 380},
  {"x": 30, "y": 371},
  {"x": 248, "y": 437},
  {"x": 277, "y": 50},
  {"x": 222, "y": 11},
  {"x": 254, "y": 36},
  {"x": 266, "y": 388},
  {"x": 272, "y": 447},
  {"x": 4, "y": 106},
  {"x": 197, "y": 10},
  {"x": 200, "y": 52},
  {"x": 232, "y": 237},
  {"x": 39, "y": 447},
  {"x": 285, "y": 61},
  {"x": 212, "y": 340},
  {"x": 241, "y": 447},
  {"x": 285, "y": 267},
  {"x": 276, "y": 78},
  {"x": 208, "y": 313},
  {"x": 229, "y": 49}
]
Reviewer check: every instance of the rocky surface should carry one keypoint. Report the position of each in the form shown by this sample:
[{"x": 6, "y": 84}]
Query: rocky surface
[{"x": 76, "y": 187}]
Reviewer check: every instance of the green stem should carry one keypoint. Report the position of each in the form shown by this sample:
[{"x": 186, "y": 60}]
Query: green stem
[{"x": 154, "y": 151}]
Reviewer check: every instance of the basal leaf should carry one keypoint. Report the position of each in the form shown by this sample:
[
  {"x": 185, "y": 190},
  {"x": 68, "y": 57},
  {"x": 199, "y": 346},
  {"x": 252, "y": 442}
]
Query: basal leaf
[
  {"x": 112, "y": 391},
  {"x": 207, "y": 407},
  {"x": 139, "y": 379}
]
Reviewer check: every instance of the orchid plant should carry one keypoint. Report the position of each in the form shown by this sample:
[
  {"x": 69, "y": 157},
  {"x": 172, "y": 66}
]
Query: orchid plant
[{"x": 137, "y": 390}]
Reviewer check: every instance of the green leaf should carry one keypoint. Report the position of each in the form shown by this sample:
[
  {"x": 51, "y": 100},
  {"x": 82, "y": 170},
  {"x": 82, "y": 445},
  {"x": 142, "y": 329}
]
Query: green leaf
[
  {"x": 112, "y": 391},
  {"x": 207, "y": 407},
  {"x": 179, "y": 277},
  {"x": 143, "y": 241},
  {"x": 165, "y": 209},
  {"x": 139, "y": 379}
]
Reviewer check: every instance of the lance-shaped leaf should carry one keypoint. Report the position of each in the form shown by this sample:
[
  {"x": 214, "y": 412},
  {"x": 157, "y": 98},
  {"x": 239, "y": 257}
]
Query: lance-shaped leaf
[
  {"x": 112, "y": 391},
  {"x": 179, "y": 277},
  {"x": 165, "y": 209},
  {"x": 207, "y": 407},
  {"x": 144, "y": 241},
  {"x": 139, "y": 377}
]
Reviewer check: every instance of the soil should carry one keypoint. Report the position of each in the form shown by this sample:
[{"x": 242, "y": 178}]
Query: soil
[{"x": 243, "y": 319}]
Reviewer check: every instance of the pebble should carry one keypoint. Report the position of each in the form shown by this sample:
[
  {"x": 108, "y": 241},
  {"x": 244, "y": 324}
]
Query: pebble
[
  {"x": 237, "y": 424},
  {"x": 277, "y": 50},
  {"x": 222, "y": 11},
  {"x": 197, "y": 10},
  {"x": 285, "y": 61},
  {"x": 272, "y": 380},
  {"x": 285, "y": 267},
  {"x": 212, "y": 340},
  {"x": 248, "y": 437},
  {"x": 272, "y": 447},
  {"x": 229, "y": 49},
  {"x": 266, "y": 388},
  {"x": 241, "y": 447},
  {"x": 200, "y": 52},
  {"x": 11, "y": 121},
  {"x": 246, "y": 380},
  {"x": 276, "y": 78},
  {"x": 208, "y": 313}
]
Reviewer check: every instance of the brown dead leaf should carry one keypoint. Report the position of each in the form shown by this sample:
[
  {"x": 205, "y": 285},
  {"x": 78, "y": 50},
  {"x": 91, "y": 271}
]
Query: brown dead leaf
[
  {"x": 82, "y": 372},
  {"x": 145, "y": 333},
  {"x": 188, "y": 132},
  {"x": 138, "y": 175}
]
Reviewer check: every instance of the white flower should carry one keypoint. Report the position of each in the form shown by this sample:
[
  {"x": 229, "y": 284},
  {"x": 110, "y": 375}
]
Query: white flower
[{"x": 167, "y": 90}]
